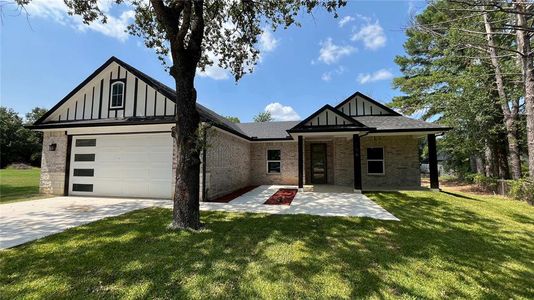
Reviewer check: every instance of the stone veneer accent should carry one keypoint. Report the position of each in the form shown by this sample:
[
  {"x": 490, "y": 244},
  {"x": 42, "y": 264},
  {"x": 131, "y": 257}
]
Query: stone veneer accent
[
  {"x": 53, "y": 163},
  {"x": 258, "y": 163}
]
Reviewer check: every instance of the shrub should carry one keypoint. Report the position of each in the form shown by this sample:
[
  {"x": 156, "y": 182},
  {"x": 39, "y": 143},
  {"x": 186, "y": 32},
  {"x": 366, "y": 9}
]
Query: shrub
[
  {"x": 522, "y": 189},
  {"x": 486, "y": 183}
]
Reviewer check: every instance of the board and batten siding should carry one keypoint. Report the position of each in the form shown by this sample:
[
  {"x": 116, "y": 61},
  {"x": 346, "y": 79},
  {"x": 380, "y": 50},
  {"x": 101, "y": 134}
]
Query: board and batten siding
[
  {"x": 91, "y": 102},
  {"x": 327, "y": 117},
  {"x": 358, "y": 106}
]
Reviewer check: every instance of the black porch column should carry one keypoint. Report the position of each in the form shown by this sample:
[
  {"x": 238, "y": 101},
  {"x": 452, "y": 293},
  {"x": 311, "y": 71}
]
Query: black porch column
[
  {"x": 301, "y": 161},
  {"x": 433, "y": 161},
  {"x": 357, "y": 162}
]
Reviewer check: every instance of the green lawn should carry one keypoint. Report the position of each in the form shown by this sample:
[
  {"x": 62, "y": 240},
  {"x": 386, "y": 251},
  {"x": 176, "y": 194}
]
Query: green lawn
[
  {"x": 18, "y": 185},
  {"x": 446, "y": 246}
]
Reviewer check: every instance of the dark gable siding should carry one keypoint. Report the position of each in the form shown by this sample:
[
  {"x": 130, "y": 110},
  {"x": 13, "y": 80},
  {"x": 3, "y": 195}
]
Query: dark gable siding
[{"x": 92, "y": 101}]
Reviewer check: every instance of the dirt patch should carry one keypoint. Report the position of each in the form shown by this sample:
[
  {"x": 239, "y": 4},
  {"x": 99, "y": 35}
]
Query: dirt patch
[
  {"x": 458, "y": 186},
  {"x": 229, "y": 197},
  {"x": 282, "y": 197}
]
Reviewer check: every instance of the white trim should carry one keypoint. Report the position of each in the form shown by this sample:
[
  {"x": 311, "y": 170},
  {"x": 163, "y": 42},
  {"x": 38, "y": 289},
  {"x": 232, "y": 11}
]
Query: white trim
[
  {"x": 122, "y": 95},
  {"x": 267, "y": 161},
  {"x": 383, "y": 160}
]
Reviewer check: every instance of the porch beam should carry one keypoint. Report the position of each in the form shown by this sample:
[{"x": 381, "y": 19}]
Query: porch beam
[
  {"x": 301, "y": 161},
  {"x": 357, "y": 162},
  {"x": 433, "y": 162}
]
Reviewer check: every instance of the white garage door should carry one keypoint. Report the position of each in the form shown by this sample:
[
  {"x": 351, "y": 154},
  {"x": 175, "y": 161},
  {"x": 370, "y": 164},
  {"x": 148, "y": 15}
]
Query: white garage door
[{"x": 122, "y": 165}]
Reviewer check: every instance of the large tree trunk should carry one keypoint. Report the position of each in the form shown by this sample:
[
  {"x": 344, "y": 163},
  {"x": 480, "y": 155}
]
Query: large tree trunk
[
  {"x": 186, "y": 213},
  {"x": 510, "y": 115},
  {"x": 526, "y": 59},
  {"x": 183, "y": 22}
]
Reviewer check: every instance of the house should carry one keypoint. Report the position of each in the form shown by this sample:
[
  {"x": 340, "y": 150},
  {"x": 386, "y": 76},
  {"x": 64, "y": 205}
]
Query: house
[{"x": 111, "y": 136}]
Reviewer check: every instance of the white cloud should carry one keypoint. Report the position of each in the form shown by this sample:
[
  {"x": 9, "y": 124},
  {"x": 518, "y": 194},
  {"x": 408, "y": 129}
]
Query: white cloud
[
  {"x": 345, "y": 20},
  {"x": 57, "y": 11},
  {"x": 331, "y": 53},
  {"x": 371, "y": 34},
  {"x": 327, "y": 76},
  {"x": 214, "y": 71},
  {"x": 381, "y": 74},
  {"x": 280, "y": 112},
  {"x": 267, "y": 41}
]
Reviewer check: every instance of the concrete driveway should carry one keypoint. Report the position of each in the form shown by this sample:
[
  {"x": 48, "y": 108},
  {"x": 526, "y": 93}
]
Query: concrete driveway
[{"x": 25, "y": 221}]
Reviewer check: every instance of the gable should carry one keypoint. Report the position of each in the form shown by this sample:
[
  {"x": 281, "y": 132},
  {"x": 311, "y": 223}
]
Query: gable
[
  {"x": 359, "y": 104},
  {"x": 328, "y": 117},
  {"x": 91, "y": 99}
]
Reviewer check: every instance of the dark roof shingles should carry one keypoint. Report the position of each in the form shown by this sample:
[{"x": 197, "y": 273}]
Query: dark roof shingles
[{"x": 267, "y": 130}]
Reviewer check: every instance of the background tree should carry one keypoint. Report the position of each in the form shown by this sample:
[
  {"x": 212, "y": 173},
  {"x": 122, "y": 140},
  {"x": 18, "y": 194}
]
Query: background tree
[
  {"x": 18, "y": 144},
  {"x": 263, "y": 117},
  {"x": 233, "y": 119},
  {"x": 453, "y": 71},
  {"x": 190, "y": 30}
]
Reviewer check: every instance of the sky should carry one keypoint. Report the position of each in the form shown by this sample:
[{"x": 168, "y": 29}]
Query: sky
[{"x": 46, "y": 53}]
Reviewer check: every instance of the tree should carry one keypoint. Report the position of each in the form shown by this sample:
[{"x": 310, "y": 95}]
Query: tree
[
  {"x": 454, "y": 70},
  {"x": 233, "y": 119},
  {"x": 191, "y": 31},
  {"x": 263, "y": 117},
  {"x": 35, "y": 114},
  {"x": 35, "y": 138},
  {"x": 17, "y": 144}
]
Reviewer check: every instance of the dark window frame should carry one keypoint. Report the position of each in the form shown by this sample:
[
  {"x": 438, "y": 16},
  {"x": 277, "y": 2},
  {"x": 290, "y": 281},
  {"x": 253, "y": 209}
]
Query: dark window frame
[
  {"x": 80, "y": 143},
  {"x": 84, "y": 154},
  {"x": 111, "y": 83},
  {"x": 382, "y": 160},
  {"x": 268, "y": 160},
  {"x": 82, "y": 187}
]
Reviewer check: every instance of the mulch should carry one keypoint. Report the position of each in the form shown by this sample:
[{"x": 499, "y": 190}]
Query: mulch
[
  {"x": 229, "y": 197},
  {"x": 282, "y": 197}
]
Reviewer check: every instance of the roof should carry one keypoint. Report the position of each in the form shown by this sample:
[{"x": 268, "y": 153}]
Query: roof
[
  {"x": 267, "y": 130},
  {"x": 249, "y": 131},
  {"x": 395, "y": 123}
]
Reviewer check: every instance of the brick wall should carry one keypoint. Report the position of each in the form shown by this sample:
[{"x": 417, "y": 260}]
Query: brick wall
[
  {"x": 401, "y": 159},
  {"x": 289, "y": 163},
  {"x": 53, "y": 163},
  {"x": 227, "y": 163}
]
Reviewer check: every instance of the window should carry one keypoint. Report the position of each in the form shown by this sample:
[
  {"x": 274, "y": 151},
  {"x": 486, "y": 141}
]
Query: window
[
  {"x": 85, "y": 142},
  {"x": 273, "y": 161},
  {"x": 117, "y": 95},
  {"x": 84, "y": 157},
  {"x": 84, "y": 172},
  {"x": 82, "y": 187},
  {"x": 375, "y": 161}
]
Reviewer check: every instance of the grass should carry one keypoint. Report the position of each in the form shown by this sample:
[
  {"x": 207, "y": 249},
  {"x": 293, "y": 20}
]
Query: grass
[
  {"x": 19, "y": 185},
  {"x": 446, "y": 246}
]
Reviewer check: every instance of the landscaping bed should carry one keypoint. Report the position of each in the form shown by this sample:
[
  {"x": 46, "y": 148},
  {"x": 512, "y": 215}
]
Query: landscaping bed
[{"x": 231, "y": 196}]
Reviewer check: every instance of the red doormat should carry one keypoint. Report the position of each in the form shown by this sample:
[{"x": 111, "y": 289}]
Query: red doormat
[
  {"x": 282, "y": 197},
  {"x": 229, "y": 197}
]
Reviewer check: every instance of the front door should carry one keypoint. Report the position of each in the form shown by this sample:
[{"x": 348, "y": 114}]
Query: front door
[{"x": 318, "y": 163}]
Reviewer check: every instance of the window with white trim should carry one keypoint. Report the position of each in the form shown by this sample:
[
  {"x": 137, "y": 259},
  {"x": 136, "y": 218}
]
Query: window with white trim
[
  {"x": 274, "y": 163},
  {"x": 117, "y": 95},
  {"x": 375, "y": 161}
]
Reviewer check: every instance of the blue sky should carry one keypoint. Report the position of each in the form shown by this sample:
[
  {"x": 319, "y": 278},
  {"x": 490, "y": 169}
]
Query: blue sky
[{"x": 45, "y": 56}]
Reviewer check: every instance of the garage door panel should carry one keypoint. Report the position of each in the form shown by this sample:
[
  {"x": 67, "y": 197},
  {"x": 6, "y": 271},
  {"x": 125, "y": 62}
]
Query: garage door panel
[{"x": 137, "y": 165}]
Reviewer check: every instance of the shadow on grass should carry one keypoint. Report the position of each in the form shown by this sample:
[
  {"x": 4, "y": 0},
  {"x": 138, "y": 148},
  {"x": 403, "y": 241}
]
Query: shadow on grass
[{"x": 438, "y": 250}]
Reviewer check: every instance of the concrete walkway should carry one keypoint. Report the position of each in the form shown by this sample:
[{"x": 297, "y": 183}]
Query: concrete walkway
[
  {"x": 328, "y": 202},
  {"x": 25, "y": 221}
]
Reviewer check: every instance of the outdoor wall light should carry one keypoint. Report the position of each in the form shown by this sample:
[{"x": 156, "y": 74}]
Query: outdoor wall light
[{"x": 52, "y": 147}]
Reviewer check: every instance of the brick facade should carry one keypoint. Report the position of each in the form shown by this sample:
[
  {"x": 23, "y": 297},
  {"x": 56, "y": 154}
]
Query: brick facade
[
  {"x": 53, "y": 163},
  {"x": 289, "y": 163},
  {"x": 227, "y": 163}
]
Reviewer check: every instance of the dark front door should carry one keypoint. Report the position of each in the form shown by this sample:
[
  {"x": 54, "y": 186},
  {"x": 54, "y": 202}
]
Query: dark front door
[{"x": 318, "y": 163}]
